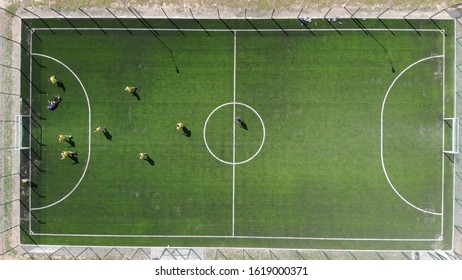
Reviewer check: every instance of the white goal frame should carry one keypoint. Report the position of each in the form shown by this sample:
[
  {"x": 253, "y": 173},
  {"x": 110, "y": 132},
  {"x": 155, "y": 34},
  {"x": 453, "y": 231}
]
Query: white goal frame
[
  {"x": 20, "y": 132},
  {"x": 454, "y": 124}
]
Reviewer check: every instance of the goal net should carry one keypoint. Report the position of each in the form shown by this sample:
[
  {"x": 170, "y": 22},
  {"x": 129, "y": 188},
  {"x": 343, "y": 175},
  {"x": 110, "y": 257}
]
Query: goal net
[
  {"x": 451, "y": 135},
  {"x": 23, "y": 134}
]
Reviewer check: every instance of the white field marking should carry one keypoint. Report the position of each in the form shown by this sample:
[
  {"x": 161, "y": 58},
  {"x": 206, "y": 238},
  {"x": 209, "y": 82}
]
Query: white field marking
[
  {"x": 17, "y": 144},
  {"x": 30, "y": 136},
  {"x": 260, "y": 237},
  {"x": 443, "y": 138},
  {"x": 239, "y": 162},
  {"x": 89, "y": 133},
  {"x": 455, "y": 115},
  {"x": 234, "y": 131},
  {"x": 240, "y": 30},
  {"x": 236, "y": 237},
  {"x": 381, "y": 135}
]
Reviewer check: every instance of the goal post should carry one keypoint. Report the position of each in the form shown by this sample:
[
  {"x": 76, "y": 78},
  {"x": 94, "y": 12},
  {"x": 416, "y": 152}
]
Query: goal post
[
  {"x": 451, "y": 135},
  {"x": 22, "y": 134}
]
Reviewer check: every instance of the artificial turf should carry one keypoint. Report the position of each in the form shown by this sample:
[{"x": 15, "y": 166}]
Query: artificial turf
[{"x": 318, "y": 175}]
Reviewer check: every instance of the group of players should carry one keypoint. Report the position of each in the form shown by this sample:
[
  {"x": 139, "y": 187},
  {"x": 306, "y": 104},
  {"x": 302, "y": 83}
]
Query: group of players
[{"x": 52, "y": 105}]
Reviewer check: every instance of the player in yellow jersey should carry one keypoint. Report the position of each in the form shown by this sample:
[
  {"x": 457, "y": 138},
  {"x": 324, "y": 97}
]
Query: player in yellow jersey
[
  {"x": 62, "y": 137},
  {"x": 143, "y": 156},
  {"x": 179, "y": 126},
  {"x": 64, "y": 154},
  {"x": 100, "y": 129},
  {"x": 131, "y": 89},
  {"x": 53, "y": 79}
]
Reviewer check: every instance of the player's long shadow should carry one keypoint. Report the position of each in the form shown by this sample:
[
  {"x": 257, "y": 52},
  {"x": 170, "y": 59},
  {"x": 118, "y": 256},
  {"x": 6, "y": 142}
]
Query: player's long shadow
[
  {"x": 136, "y": 95},
  {"x": 70, "y": 142},
  {"x": 107, "y": 135},
  {"x": 243, "y": 125},
  {"x": 150, "y": 160},
  {"x": 61, "y": 85},
  {"x": 186, "y": 131},
  {"x": 74, "y": 158}
]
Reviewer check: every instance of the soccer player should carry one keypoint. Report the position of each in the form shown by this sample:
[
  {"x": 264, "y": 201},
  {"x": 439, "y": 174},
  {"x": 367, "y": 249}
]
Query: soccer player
[
  {"x": 64, "y": 154},
  {"x": 179, "y": 126},
  {"x": 241, "y": 123},
  {"x": 143, "y": 156},
  {"x": 62, "y": 137},
  {"x": 53, "y": 79},
  {"x": 100, "y": 129},
  {"x": 130, "y": 89},
  {"x": 54, "y": 104}
]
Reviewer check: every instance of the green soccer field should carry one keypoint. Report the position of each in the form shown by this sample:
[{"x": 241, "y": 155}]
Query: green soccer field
[{"x": 341, "y": 147}]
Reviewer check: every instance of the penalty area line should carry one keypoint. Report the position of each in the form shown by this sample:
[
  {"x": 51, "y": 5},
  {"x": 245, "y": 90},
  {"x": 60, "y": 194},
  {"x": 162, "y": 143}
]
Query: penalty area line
[{"x": 89, "y": 132}]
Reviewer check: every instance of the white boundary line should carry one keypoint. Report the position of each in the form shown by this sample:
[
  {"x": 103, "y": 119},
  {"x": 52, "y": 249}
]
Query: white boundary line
[
  {"x": 455, "y": 116},
  {"x": 234, "y": 131},
  {"x": 381, "y": 135},
  {"x": 443, "y": 131},
  {"x": 238, "y": 30},
  {"x": 237, "y": 237},
  {"x": 17, "y": 143},
  {"x": 89, "y": 132},
  {"x": 233, "y": 236},
  {"x": 30, "y": 136}
]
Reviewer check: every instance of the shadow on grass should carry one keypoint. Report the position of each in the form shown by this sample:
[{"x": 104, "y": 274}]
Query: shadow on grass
[
  {"x": 136, "y": 95},
  {"x": 107, "y": 135},
  {"x": 61, "y": 85},
  {"x": 34, "y": 188},
  {"x": 186, "y": 131},
  {"x": 150, "y": 160},
  {"x": 74, "y": 158},
  {"x": 243, "y": 125},
  {"x": 70, "y": 142}
]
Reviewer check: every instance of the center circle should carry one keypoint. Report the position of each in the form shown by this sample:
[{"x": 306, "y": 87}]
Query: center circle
[{"x": 262, "y": 142}]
